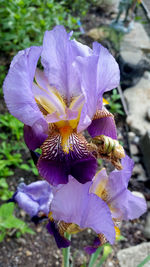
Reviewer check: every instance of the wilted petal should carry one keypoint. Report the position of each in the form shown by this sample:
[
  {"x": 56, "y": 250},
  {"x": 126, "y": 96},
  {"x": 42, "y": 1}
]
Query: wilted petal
[
  {"x": 18, "y": 87},
  {"x": 34, "y": 197},
  {"x": 73, "y": 204},
  {"x": 27, "y": 204}
]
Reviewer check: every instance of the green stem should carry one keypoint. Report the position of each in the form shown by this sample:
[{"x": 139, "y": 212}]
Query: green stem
[{"x": 66, "y": 252}]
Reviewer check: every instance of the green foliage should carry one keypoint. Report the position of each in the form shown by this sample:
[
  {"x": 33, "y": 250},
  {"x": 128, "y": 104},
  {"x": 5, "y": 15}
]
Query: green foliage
[
  {"x": 12, "y": 127},
  {"x": 23, "y": 22},
  {"x": 79, "y": 6},
  {"x": 29, "y": 167},
  {"x": 5, "y": 194},
  {"x": 114, "y": 105},
  {"x": 99, "y": 162},
  {"x": 147, "y": 259},
  {"x": 8, "y": 221},
  {"x": 98, "y": 258},
  {"x": 10, "y": 157},
  {"x": 2, "y": 76}
]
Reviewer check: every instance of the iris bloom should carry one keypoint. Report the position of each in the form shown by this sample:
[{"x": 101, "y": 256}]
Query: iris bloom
[
  {"x": 57, "y": 103},
  {"x": 73, "y": 207}
]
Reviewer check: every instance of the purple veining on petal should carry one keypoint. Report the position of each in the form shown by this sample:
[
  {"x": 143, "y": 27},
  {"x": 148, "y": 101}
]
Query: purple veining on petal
[
  {"x": 60, "y": 240},
  {"x": 34, "y": 197},
  {"x": 55, "y": 165},
  {"x": 105, "y": 126}
]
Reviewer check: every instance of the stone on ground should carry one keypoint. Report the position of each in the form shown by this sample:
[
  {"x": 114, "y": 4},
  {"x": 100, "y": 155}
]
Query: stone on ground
[
  {"x": 132, "y": 256},
  {"x": 135, "y": 44},
  {"x": 138, "y": 101}
]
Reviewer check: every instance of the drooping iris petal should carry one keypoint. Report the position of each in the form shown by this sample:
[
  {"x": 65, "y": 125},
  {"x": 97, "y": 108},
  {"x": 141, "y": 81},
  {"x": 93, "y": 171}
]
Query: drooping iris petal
[
  {"x": 54, "y": 171},
  {"x": 127, "y": 206},
  {"x": 34, "y": 136},
  {"x": 122, "y": 201},
  {"x": 60, "y": 240},
  {"x": 73, "y": 204},
  {"x": 55, "y": 165},
  {"x": 18, "y": 87},
  {"x": 103, "y": 124},
  {"x": 83, "y": 169},
  {"x": 34, "y": 197}
]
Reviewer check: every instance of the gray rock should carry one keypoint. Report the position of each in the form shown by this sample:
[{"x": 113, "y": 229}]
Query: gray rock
[
  {"x": 145, "y": 148},
  {"x": 138, "y": 100},
  {"x": 131, "y": 136},
  {"x": 133, "y": 149},
  {"x": 132, "y": 56},
  {"x": 146, "y": 231},
  {"x": 138, "y": 170},
  {"x": 136, "y": 39},
  {"x": 132, "y": 256},
  {"x": 135, "y": 45}
]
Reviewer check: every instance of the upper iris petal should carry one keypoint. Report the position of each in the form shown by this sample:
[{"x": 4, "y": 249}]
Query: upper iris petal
[{"x": 71, "y": 71}]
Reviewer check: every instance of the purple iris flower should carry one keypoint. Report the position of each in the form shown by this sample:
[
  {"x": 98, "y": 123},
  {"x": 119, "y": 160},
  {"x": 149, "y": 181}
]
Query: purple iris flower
[
  {"x": 70, "y": 204},
  {"x": 57, "y": 103},
  {"x": 113, "y": 190},
  {"x": 98, "y": 204},
  {"x": 34, "y": 198}
]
